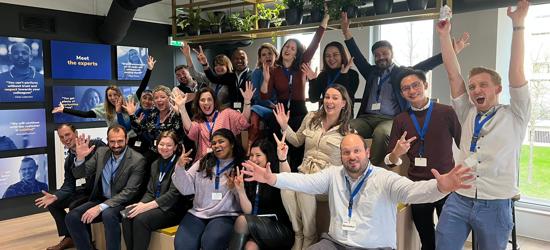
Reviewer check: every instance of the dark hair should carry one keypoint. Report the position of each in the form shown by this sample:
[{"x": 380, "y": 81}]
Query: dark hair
[
  {"x": 177, "y": 68},
  {"x": 270, "y": 152},
  {"x": 72, "y": 127},
  {"x": 31, "y": 160},
  {"x": 198, "y": 115},
  {"x": 342, "y": 51},
  {"x": 345, "y": 114},
  {"x": 172, "y": 135},
  {"x": 410, "y": 71},
  {"x": 223, "y": 60},
  {"x": 381, "y": 43},
  {"x": 116, "y": 128},
  {"x": 299, "y": 54},
  {"x": 208, "y": 162}
]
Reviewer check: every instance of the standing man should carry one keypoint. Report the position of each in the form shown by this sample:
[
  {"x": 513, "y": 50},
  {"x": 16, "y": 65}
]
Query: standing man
[
  {"x": 118, "y": 172},
  {"x": 362, "y": 198},
  {"x": 28, "y": 183},
  {"x": 425, "y": 134},
  {"x": 382, "y": 99},
  {"x": 239, "y": 59},
  {"x": 490, "y": 145},
  {"x": 69, "y": 195}
]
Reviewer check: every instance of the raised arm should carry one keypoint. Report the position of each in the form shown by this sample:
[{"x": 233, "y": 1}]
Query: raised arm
[
  {"x": 450, "y": 60},
  {"x": 145, "y": 81},
  {"x": 516, "y": 74},
  {"x": 180, "y": 99},
  {"x": 314, "y": 45},
  {"x": 358, "y": 57},
  {"x": 247, "y": 94},
  {"x": 184, "y": 180}
]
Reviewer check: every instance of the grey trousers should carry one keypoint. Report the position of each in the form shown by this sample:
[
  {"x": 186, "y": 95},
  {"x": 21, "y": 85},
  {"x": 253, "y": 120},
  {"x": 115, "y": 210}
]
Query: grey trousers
[{"x": 377, "y": 127}]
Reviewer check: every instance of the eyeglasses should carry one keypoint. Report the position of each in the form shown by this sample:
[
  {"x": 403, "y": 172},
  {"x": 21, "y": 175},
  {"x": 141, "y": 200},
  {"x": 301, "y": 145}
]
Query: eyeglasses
[{"x": 415, "y": 85}]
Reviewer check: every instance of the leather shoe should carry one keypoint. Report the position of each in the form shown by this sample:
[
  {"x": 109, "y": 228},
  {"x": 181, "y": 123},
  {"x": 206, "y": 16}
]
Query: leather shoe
[{"x": 63, "y": 244}]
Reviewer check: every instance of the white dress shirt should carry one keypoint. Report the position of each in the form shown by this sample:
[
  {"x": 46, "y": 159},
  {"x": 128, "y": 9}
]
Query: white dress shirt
[
  {"x": 496, "y": 159},
  {"x": 374, "y": 207}
]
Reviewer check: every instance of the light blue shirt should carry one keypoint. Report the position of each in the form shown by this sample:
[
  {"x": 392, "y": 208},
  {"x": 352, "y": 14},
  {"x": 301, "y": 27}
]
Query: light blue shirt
[{"x": 108, "y": 174}]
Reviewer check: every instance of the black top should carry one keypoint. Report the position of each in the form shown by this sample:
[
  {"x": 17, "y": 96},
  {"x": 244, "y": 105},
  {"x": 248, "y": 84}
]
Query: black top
[{"x": 318, "y": 85}]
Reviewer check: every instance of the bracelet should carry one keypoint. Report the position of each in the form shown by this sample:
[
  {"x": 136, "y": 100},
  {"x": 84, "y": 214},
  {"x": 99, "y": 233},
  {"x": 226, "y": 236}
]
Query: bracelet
[
  {"x": 247, "y": 103},
  {"x": 281, "y": 161},
  {"x": 516, "y": 28}
]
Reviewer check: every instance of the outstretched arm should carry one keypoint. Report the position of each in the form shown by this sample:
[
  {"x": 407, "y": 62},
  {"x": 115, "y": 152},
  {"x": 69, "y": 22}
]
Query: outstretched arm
[
  {"x": 515, "y": 71},
  {"x": 450, "y": 60}
]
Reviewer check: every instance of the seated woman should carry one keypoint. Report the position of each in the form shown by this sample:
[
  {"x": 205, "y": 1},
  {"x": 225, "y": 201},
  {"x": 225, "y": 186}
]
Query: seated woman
[
  {"x": 209, "y": 223},
  {"x": 222, "y": 77},
  {"x": 162, "y": 205},
  {"x": 268, "y": 227},
  {"x": 209, "y": 116},
  {"x": 321, "y": 132}
]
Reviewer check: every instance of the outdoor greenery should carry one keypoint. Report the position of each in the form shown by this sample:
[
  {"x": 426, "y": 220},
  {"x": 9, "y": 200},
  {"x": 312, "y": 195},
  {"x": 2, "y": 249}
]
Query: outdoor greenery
[{"x": 540, "y": 185}]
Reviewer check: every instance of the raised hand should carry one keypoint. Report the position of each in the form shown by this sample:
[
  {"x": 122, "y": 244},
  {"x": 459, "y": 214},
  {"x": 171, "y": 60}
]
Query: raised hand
[
  {"x": 151, "y": 62},
  {"x": 326, "y": 17},
  {"x": 281, "y": 116},
  {"x": 282, "y": 148},
  {"x": 443, "y": 27},
  {"x": 83, "y": 148},
  {"x": 306, "y": 68},
  {"x": 344, "y": 22},
  {"x": 45, "y": 200},
  {"x": 454, "y": 179},
  {"x": 461, "y": 43},
  {"x": 265, "y": 72},
  {"x": 186, "y": 49},
  {"x": 238, "y": 181},
  {"x": 201, "y": 56},
  {"x": 130, "y": 106},
  {"x": 178, "y": 97},
  {"x": 519, "y": 14},
  {"x": 259, "y": 174},
  {"x": 58, "y": 109},
  {"x": 345, "y": 68},
  {"x": 184, "y": 158},
  {"x": 403, "y": 145},
  {"x": 140, "y": 118},
  {"x": 119, "y": 103},
  {"x": 248, "y": 92}
]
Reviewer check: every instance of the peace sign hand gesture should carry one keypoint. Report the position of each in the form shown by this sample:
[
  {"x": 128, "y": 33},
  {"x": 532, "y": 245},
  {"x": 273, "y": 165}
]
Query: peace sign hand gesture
[
  {"x": 282, "y": 148},
  {"x": 184, "y": 158},
  {"x": 201, "y": 56},
  {"x": 403, "y": 145}
]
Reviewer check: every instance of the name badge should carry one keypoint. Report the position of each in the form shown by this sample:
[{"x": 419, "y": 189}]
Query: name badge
[
  {"x": 375, "y": 106},
  {"x": 349, "y": 226},
  {"x": 209, "y": 150},
  {"x": 137, "y": 143},
  {"x": 217, "y": 196},
  {"x": 155, "y": 142},
  {"x": 420, "y": 162},
  {"x": 237, "y": 105}
]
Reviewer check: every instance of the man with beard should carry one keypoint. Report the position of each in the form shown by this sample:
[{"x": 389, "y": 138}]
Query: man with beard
[
  {"x": 362, "y": 197},
  {"x": 69, "y": 195},
  {"x": 118, "y": 172},
  {"x": 20, "y": 74},
  {"x": 239, "y": 59},
  {"x": 382, "y": 99}
]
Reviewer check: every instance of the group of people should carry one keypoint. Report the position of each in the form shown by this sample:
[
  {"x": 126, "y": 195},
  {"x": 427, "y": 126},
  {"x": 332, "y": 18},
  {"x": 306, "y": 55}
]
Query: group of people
[{"x": 177, "y": 157}]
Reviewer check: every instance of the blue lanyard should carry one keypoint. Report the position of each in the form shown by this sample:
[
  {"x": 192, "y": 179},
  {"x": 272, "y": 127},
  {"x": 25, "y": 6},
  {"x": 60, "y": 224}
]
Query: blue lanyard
[
  {"x": 331, "y": 80},
  {"x": 422, "y": 132},
  {"x": 256, "y": 200},
  {"x": 218, "y": 172},
  {"x": 213, "y": 123},
  {"x": 477, "y": 128},
  {"x": 381, "y": 82},
  {"x": 356, "y": 189},
  {"x": 218, "y": 87},
  {"x": 164, "y": 168}
]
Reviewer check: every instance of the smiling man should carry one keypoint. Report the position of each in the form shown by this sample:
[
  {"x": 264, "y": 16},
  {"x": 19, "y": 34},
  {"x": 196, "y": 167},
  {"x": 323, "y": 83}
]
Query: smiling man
[{"x": 490, "y": 145}]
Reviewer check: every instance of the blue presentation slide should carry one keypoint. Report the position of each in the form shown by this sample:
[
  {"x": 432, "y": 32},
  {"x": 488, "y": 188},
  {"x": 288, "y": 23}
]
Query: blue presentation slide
[
  {"x": 71, "y": 60},
  {"x": 131, "y": 62},
  {"x": 21, "y": 70},
  {"x": 22, "y": 128},
  {"x": 83, "y": 98},
  {"x": 23, "y": 175}
]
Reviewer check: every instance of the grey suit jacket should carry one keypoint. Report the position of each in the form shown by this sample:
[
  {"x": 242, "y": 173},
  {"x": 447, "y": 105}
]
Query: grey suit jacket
[{"x": 127, "y": 181}]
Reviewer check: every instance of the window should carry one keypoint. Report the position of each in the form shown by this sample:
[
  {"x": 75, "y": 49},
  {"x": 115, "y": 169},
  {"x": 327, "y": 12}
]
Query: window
[{"x": 534, "y": 171}]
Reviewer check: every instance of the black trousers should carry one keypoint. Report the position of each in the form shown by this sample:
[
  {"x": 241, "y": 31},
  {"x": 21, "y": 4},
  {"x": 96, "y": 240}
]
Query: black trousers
[
  {"x": 57, "y": 210},
  {"x": 424, "y": 221},
  {"x": 137, "y": 231}
]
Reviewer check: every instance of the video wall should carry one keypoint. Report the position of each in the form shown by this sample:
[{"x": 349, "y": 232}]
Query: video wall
[{"x": 81, "y": 72}]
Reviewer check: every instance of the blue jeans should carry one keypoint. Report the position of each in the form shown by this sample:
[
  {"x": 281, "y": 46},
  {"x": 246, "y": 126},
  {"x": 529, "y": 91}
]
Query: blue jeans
[
  {"x": 490, "y": 220},
  {"x": 264, "y": 112},
  {"x": 208, "y": 234}
]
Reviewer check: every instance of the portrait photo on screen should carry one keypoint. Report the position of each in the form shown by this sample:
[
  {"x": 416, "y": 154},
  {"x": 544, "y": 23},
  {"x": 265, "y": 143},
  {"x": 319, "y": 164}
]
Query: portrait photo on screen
[
  {"x": 71, "y": 60},
  {"x": 23, "y": 175},
  {"x": 21, "y": 70},
  {"x": 84, "y": 98},
  {"x": 131, "y": 62},
  {"x": 22, "y": 128}
]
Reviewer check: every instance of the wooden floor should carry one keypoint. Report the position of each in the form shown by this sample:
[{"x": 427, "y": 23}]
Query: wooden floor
[{"x": 38, "y": 232}]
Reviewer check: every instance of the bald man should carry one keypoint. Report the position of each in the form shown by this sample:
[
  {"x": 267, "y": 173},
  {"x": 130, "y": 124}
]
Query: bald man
[
  {"x": 362, "y": 197},
  {"x": 16, "y": 83}
]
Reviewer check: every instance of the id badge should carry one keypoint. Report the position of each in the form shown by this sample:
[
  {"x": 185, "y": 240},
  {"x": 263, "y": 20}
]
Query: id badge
[
  {"x": 209, "y": 150},
  {"x": 217, "y": 196},
  {"x": 137, "y": 143},
  {"x": 349, "y": 226},
  {"x": 237, "y": 105},
  {"x": 155, "y": 142},
  {"x": 375, "y": 106},
  {"x": 420, "y": 162}
]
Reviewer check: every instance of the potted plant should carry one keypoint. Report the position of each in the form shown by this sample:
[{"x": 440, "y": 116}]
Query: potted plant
[
  {"x": 192, "y": 22},
  {"x": 317, "y": 10},
  {"x": 383, "y": 6},
  {"x": 215, "y": 19},
  {"x": 417, "y": 4},
  {"x": 245, "y": 23},
  {"x": 350, "y": 7},
  {"x": 294, "y": 11},
  {"x": 269, "y": 15}
]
